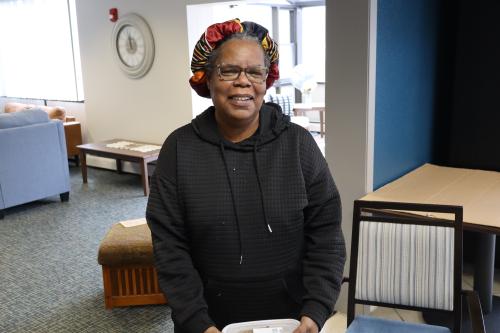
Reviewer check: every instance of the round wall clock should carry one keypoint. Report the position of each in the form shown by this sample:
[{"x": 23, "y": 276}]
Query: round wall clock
[{"x": 133, "y": 45}]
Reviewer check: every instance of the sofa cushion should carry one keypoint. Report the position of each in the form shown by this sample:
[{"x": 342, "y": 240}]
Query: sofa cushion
[
  {"x": 28, "y": 117},
  {"x": 54, "y": 112}
]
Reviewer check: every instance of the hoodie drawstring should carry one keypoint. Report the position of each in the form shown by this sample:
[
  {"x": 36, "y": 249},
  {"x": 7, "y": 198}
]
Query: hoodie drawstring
[
  {"x": 262, "y": 201},
  {"x": 233, "y": 200}
]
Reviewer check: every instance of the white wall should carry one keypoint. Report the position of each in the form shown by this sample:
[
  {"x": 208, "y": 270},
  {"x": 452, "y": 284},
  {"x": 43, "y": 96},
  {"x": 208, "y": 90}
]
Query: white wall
[
  {"x": 349, "y": 139},
  {"x": 147, "y": 109}
]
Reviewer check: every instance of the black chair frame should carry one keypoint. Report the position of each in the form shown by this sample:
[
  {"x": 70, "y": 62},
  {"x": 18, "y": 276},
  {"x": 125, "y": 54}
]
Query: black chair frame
[{"x": 410, "y": 213}]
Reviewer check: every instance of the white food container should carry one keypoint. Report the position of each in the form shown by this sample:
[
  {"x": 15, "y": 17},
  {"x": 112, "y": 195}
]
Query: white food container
[{"x": 263, "y": 326}]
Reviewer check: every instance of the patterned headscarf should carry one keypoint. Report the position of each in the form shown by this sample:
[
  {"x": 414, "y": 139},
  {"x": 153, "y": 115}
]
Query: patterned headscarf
[{"x": 212, "y": 38}]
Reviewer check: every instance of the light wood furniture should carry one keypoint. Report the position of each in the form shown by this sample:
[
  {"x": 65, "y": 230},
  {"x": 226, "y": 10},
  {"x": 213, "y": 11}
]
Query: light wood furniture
[
  {"x": 131, "y": 285},
  {"x": 301, "y": 109},
  {"x": 478, "y": 191},
  {"x": 129, "y": 277},
  {"x": 73, "y": 133},
  {"x": 102, "y": 150}
]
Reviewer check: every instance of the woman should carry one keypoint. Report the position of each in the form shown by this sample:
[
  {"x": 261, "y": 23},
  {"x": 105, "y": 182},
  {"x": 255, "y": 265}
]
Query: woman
[{"x": 244, "y": 213}]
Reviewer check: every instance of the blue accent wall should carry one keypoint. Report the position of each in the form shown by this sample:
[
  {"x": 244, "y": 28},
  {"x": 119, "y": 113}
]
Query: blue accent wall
[{"x": 405, "y": 102}]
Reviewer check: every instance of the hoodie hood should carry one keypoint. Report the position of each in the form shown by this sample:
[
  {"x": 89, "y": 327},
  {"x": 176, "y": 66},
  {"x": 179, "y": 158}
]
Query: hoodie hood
[{"x": 272, "y": 122}]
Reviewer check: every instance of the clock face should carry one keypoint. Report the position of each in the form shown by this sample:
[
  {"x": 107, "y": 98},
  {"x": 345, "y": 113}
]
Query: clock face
[
  {"x": 131, "y": 48},
  {"x": 133, "y": 45}
]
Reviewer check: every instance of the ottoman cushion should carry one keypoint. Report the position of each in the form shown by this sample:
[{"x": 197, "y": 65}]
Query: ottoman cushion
[{"x": 126, "y": 246}]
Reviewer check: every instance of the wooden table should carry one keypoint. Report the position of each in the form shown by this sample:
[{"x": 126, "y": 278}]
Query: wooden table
[
  {"x": 101, "y": 149},
  {"x": 300, "y": 109},
  {"x": 73, "y": 134},
  {"x": 478, "y": 191}
]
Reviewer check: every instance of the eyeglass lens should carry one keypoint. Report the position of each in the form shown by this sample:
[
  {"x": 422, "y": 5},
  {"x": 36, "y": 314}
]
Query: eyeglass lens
[{"x": 256, "y": 74}]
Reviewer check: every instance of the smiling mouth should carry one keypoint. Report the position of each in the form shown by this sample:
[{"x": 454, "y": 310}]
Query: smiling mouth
[{"x": 241, "y": 98}]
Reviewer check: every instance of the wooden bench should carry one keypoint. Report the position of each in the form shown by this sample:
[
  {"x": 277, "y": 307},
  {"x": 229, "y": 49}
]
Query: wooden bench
[{"x": 129, "y": 276}]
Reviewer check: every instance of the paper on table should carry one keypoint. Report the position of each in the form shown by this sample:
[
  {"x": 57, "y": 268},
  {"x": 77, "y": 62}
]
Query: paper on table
[
  {"x": 133, "y": 223},
  {"x": 119, "y": 144},
  {"x": 146, "y": 148}
]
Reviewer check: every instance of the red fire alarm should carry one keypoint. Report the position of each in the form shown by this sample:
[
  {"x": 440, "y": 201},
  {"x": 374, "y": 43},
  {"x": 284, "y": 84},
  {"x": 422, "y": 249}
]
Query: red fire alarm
[{"x": 113, "y": 14}]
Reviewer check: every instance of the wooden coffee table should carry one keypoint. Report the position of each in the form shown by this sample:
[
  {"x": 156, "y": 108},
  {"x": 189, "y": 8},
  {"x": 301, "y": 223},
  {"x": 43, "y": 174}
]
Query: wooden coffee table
[{"x": 102, "y": 149}]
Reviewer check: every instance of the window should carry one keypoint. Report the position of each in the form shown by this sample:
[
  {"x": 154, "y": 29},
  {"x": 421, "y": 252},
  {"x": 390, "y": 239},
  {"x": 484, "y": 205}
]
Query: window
[
  {"x": 301, "y": 35},
  {"x": 313, "y": 48},
  {"x": 286, "y": 40},
  {"x": 39, "y": 57}
]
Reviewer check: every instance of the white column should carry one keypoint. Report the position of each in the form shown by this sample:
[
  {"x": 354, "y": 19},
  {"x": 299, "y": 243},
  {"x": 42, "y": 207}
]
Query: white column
[{"x": 349, "y": 97}]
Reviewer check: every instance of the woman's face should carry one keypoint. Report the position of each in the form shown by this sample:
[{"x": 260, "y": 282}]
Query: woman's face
[{"x": 238, "y": 101}]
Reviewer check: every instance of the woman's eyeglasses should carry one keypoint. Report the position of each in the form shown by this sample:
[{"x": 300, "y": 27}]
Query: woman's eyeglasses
[{"x": 255, "y": 74}]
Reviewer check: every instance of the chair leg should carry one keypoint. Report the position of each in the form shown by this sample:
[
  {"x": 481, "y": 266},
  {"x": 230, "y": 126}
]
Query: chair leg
[{"x": 64, "y": 196}]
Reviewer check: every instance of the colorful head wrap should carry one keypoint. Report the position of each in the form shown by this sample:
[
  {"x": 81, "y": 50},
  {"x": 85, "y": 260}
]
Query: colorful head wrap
[{"x": 212, "y": 38}]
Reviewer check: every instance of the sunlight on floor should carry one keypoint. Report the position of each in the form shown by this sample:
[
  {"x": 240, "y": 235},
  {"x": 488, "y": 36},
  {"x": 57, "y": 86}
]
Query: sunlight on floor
[{"x": 335, "y": 324}]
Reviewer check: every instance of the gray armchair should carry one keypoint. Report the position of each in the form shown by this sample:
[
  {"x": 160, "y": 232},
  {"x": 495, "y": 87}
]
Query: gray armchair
[{"x": 33, "y": 158}]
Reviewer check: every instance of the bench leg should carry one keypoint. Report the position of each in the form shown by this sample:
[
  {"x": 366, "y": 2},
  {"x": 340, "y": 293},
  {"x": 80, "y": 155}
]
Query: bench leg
[{"x": 106, "y": 278}]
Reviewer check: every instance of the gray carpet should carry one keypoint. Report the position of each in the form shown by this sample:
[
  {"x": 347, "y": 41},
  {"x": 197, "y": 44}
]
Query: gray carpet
[{"x": 50, "y": 280}]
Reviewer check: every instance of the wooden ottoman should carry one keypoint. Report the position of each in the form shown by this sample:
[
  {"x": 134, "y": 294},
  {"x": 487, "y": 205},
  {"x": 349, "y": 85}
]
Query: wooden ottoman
[{"x": 129, "y": 277}]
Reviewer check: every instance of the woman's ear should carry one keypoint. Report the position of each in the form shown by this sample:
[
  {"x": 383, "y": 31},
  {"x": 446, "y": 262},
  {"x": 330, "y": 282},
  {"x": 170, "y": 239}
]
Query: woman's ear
[{"x": 208, "y": 83}]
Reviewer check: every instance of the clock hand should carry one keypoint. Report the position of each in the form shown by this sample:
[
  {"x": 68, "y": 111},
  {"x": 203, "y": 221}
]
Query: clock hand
[{"x": 129, "y": 43}]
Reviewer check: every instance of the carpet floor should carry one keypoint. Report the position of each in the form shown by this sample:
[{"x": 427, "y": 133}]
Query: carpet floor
[{"x": 50, "y": 280}]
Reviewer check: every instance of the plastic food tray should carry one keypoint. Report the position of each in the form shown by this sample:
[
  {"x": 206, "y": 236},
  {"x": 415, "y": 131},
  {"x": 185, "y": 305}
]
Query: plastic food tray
[{"x": 286, "y": 325}]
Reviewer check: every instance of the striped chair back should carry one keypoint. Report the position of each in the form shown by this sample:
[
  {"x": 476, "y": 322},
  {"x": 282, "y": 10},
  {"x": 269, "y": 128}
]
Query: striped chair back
[
  {"x": 286, "y": 103},
  {"x": 406, "y": 257},
  {"x": 406, "y": 264}
]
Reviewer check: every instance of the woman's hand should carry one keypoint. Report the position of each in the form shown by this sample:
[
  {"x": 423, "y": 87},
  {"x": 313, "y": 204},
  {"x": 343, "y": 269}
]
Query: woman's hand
[
  {"x": 212, "y": 329},
  {"x": 307, "y": 325}
]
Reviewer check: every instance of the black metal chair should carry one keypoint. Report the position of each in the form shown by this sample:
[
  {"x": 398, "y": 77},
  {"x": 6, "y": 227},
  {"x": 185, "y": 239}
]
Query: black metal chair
[{"x": 408, "y": 256}]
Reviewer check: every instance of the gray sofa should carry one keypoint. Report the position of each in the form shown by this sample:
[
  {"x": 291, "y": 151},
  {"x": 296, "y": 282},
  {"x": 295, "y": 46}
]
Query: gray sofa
[{"x": 33, "y": 158}]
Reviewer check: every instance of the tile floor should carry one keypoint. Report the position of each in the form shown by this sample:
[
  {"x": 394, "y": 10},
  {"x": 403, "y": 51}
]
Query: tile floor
[{"x": 338, "y": 322}]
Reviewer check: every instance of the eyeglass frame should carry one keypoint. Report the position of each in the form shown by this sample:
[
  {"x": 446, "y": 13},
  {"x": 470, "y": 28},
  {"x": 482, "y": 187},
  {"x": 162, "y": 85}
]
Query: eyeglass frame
[{"x": 239, "y": 73}]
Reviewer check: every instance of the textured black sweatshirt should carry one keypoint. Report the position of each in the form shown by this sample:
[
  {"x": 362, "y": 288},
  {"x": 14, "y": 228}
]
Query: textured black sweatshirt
[{"x": 245, "y": 231}]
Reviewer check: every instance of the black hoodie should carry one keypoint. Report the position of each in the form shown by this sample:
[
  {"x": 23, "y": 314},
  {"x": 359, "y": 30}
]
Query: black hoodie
[{"x": 245, "y": 231}]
